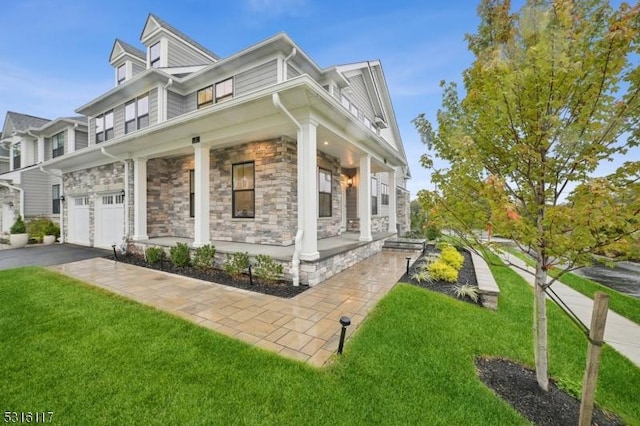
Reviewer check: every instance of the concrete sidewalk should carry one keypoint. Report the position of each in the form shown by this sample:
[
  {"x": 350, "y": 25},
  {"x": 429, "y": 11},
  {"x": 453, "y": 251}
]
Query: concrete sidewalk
[{"x": 620, "y": 333}]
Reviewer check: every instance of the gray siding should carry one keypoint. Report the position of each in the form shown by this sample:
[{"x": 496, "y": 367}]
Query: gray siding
[
  {"x": 137, "y": 68},
  {"x": 4, "y": 166},
  {"x": 360, "y": 96},
  {"x": 255, "y": 78},
  {"x": 92, "y": 131},
  {"x": 181, "y": 55},
  {"x": 153, "y": 106},
  {"x": 47, "y": 149},
  {"x": 292, "y": 72},
  {"x": 38, "y": 192},
  {"x": 190, "y": 102},
  {"x": 118, "y": 121},
  {"x": 82, "y": 140},
  {"x": 175, "y": 104}
]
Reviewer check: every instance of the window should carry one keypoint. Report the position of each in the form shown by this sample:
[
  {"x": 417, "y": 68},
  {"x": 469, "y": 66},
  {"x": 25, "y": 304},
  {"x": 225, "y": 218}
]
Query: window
[
  {"x": 122, "y": 73},
  {"x": 205, "y": 97},
  {"x": 324, "y": 193},
  {"x": 384, "y": 194},
  {"x": 224, "y": 90},
  {"x": 57, "y": 145},
  {"x": 55, "y": 208},
  {"x": 154, "y": 55},
  {"x": 16, "y": 156},
  {"x": 353, "y": 109},
  {"x": 104, "y": 127},
  {"x": 192, "y": 194},
  {"x": 136, "y": 114},
  {"x": 345, "y": 102},
  {"x": 374, "y": 196},
  {"x": 243, "y": 190}
]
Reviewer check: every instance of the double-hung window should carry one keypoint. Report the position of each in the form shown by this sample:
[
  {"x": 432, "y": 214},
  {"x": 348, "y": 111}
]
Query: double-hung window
[
  {"x": 384, "y": 194},
  {"x": 104, "y": 127},
  {"x": 224, "y": 90},
  {"x": 205, "y": 97},
  {"x": 154, "y": 55},
  {"x": 16, "y": 156},
  {"x": 243, "y": 190},
  {"x": 57, "y": 145},
  {"x": 374, "y": 196},
  {"x": 136, "y": 114},
  {"x": 55, "y": 196},
  {"x": 324, "y": 193}
]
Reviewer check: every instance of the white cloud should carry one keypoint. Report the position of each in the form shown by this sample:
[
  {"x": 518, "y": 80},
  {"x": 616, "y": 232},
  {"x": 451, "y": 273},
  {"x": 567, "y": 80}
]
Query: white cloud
[{"x": 277, "y": 7}]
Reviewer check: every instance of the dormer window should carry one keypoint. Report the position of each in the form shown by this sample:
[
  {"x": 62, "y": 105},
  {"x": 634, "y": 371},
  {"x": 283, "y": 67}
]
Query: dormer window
[
  {"x": 154, "y": 55},
  {"x": 122, "y": 73}
]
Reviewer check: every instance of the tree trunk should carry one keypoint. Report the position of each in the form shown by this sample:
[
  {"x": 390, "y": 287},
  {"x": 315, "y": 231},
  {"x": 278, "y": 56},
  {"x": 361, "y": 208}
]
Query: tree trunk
[{"x": 540, "y": 327}]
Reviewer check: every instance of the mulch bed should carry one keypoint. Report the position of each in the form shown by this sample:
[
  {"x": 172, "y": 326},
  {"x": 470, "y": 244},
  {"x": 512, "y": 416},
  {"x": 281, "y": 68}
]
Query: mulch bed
[
  {"x": 518, "y": 386},
  {"x": 281, "y": 288},
  {"x": 467, "y": 275}
]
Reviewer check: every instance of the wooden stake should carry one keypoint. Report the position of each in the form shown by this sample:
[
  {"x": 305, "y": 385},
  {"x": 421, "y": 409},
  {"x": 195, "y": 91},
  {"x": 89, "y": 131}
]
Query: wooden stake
[{"x": 596, "y": 333}]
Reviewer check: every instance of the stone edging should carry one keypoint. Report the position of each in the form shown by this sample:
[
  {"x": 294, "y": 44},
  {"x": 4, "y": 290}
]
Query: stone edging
[{"x": 489, "y": 290}]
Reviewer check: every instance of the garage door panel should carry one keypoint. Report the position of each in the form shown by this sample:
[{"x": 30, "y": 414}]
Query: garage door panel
[
  {"x": 79, "y": 229},
  {"x": 110, "y": 217}
]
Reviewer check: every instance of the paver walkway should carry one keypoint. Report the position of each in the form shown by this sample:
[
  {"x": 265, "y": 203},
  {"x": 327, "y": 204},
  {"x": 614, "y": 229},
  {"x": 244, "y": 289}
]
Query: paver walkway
[
  {"x": 305, "y": 327},
  {"x": 620, "y": 333}
]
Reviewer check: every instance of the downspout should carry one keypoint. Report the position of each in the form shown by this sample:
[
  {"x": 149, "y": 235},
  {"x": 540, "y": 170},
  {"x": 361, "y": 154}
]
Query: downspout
[
  {"x": 284, "y": 71},
  {"x": 295, "y": 261},
  {"x": 165, "y": 100},
  {"x": 21, "y": 191},
  {"x": 126, "y": 190},
  {"x": 62, "y": 204}
]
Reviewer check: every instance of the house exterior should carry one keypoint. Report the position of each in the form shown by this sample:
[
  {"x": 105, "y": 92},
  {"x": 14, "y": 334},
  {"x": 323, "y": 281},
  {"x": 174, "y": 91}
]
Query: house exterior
[
  {"x": 27, "y": 143},
  {"x": 261, "y": 147}
]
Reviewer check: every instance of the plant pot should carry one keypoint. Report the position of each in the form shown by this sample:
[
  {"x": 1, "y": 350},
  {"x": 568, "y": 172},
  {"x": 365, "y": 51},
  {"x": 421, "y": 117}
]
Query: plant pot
[
  {"x": 48, "y": 239},
  {"x": 19, "y": 240}
]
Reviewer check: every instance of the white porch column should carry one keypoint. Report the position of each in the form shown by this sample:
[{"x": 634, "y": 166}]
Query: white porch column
[
  {"x": 308, "y": 190},
  {"x": 140, "y": 199},
  {"x": 201, "y": 232},
  {"x": 364, "y": 198},
  {"x": 393, "y": 220}
]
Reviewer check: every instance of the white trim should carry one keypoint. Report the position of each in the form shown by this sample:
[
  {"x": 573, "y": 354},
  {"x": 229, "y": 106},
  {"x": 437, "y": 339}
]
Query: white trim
[
  {"x": 140, "y": 199},
  {"x": 364, "y": 198},
  {"x": 201, "y": 221}
]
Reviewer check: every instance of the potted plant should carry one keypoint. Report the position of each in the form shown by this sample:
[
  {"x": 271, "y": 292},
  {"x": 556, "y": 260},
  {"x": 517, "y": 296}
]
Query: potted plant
[
  {"x": 19, "y": 236},
  {"x": 51, "y": 233}
]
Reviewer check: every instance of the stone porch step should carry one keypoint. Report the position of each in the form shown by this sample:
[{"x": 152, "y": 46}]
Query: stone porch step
[{"x": 411, "y": 244}]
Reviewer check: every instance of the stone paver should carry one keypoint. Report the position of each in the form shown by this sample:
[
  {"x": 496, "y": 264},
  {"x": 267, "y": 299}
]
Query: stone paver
[{"x": 305, "y": 327}]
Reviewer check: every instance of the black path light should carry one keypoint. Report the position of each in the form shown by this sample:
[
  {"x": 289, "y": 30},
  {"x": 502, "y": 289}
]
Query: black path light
[
  {"x": 408, "y": 260},
  {"x": 345, "y": 322}
]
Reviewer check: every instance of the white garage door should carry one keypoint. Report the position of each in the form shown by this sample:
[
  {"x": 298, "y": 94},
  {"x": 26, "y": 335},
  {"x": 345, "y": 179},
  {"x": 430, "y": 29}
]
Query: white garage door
[
  {"x": 110, "y": 220},
  {"x": 8, "y": 217},
  {"x": 79, "y": 221}
]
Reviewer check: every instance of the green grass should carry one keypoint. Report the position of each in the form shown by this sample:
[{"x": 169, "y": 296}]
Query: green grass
[
  {"x": 623, "y": 304},
  {"x": 92, "y": 357}
]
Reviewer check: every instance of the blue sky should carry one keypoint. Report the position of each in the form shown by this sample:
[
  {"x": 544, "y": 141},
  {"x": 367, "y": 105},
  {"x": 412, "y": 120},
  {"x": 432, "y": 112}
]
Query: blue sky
[{"x": 54, "y": 54}]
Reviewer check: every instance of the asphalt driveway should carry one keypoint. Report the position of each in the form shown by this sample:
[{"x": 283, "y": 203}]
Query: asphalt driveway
[{"x": 40, "y": 255}]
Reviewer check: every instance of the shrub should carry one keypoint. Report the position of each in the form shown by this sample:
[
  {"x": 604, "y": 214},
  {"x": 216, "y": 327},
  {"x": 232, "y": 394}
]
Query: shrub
[
  {"x": 203, "y": 257},
  {"x": 18, "y": 226},
  {"x": 452, "y": 256},
  {"x": 421, "y": 275},
  {"x": 433, "y": 233},
  {"x": 180, "y": 254},
  {"x": 154, "y": 254},
  {"x": 40, "y": 227},
  {"x": 441, "y": 270},
  {"x": 236, "y": 263},
  {"x": 467, "y": 290},
  {"x": 267, "y": 269}
]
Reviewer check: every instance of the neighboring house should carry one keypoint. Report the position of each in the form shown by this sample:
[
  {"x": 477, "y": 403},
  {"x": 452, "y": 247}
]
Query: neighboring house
[
  {"x": 28, "y": 142},
  {"x": 259, "y": 147}
]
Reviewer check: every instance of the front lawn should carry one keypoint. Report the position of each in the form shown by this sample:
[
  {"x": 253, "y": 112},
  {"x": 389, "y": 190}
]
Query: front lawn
[{"x": 96, "y": 358}]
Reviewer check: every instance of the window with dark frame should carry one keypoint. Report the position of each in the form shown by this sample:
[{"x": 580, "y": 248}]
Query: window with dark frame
[
  {"x": 243, "y": 202},
  {"x": 374, "y": 196},
  {"x": 205, "y": 97},
  {"x": 130, "y": 116},
  {"x": 122, "y": 73},
  {"x": 143, "y": 111},
  {"x": 324, "y": 193},
  {"x": 384, "y": 194},
  {"x": 224, "y": 90},
  {"x": 16, "y": 156},
  {"x": 55, "y": 208},
  {"x": 192, "y": 194},
  {"x": 136, "y": 114},
  {"x": 154, "y": 55},
  {"x": 104, "y": 127},
  {"x": 57, "y": 145}
]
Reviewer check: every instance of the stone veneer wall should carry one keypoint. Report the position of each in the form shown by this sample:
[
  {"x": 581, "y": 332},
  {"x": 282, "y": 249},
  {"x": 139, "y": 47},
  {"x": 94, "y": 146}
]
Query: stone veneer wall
[
  {"x": 330, "y": 226},
  {"x": 168, "y": 197},
  {"x": 276, "y": 211},
  {"x": 92, "y": 181},
  {"x": 379, "y": 224},
  {"x": 403, "y": 210}
]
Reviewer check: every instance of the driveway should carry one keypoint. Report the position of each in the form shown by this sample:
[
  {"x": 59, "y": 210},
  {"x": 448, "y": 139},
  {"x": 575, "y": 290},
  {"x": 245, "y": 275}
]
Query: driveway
[{"x": 40, "y": 255}]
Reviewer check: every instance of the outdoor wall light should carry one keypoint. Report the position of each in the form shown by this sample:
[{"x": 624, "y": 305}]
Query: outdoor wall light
[
  {"x": 350, "y": 181},
  {"x": 122, "y": 192},
  {"x": 11, "y": 204},
  {"x": 62, "y": 198}
]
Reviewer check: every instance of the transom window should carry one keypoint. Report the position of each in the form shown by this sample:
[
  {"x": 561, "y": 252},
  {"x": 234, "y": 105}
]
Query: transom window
[
  {"x": 122, "y": 73},
  {"x": 224, "y": 90},
  {"x": 205, "y": 97},
  {"x": 374, "y": 196},
  {"x": 324, "y": 193},
  {"x": 154, "y": 55},
  {"x": 104, "y": 127},
  {"x": 192, "y": 194},
  {"x": 384, "y": 194},
  {"x": 57, "y": 145},
  {"x": 243, "y": 190},
  {"x": 81, "y": 201},
  {"x": 136, "y": 114},
  {"x": 55, "y": 208}
]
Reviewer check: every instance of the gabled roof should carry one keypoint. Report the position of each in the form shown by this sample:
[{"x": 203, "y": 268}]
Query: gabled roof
[
  {"x": 16, "y": 122},
  {"x": 121, "y": 47},
  {"x": 154, "y": 19}
]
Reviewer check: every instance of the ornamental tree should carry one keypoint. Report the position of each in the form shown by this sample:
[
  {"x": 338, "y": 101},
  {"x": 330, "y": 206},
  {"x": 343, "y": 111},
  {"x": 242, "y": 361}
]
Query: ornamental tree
[{"x": 553, "y": 92}]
